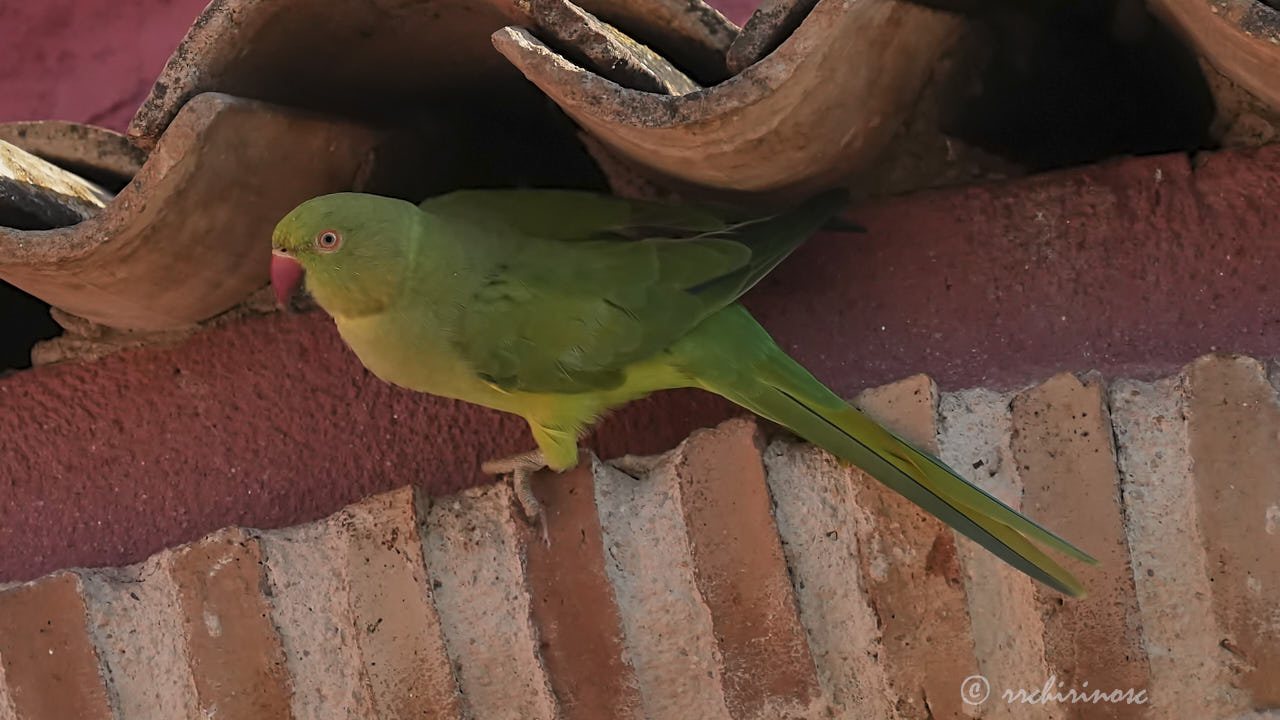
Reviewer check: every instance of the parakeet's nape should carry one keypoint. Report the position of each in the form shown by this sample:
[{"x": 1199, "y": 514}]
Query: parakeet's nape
[{"x": 559, "y": 305}]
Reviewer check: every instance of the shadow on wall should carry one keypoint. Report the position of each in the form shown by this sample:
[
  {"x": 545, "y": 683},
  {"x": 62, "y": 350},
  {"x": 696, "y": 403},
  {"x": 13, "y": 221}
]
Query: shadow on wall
[{"x": 24, "y": 321}]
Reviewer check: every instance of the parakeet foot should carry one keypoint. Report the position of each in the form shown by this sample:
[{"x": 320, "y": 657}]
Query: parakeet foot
[{"x": 521, "y": 469}]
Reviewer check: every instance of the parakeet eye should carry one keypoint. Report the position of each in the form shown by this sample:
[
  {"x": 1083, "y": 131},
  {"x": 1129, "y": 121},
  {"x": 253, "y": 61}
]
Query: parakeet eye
[{"x": 328, "y": 240}]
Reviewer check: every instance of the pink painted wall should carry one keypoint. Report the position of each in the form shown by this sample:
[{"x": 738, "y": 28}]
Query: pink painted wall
[{"x": 89, "y": 61}]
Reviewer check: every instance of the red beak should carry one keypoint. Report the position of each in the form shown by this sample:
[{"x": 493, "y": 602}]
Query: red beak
[{"x": 286, "y": 276}]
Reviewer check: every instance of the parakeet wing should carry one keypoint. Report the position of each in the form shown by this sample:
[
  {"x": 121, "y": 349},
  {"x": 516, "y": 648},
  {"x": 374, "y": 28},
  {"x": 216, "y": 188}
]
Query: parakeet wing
[
  {"x": 575, "y": 215},
  {"x": 567, "y": 312}
]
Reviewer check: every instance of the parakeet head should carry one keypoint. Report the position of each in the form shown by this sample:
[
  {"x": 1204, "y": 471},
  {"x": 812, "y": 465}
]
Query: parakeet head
[{"x": 351, "y": 247}]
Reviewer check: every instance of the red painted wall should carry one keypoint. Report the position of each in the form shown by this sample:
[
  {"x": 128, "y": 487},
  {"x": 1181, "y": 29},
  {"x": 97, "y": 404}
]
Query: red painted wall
[{"x": 1134, "y": 267}]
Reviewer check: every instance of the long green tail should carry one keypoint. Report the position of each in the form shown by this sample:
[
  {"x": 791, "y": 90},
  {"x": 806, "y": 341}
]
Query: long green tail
[{"x": 732, "y": 356}]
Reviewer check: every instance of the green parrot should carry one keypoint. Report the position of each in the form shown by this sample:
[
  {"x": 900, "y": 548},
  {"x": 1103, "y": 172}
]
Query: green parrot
[{"x": 559, "y": 305}]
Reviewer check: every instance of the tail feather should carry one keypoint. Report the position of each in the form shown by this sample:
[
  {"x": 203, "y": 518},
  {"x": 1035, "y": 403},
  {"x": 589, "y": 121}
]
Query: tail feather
[
  {"x": 781, "y": 390},
  {"x": 941, "y": 479}
]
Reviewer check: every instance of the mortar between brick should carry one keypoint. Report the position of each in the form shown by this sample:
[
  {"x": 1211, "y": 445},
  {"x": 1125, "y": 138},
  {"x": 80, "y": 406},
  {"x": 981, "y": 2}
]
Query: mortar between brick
[
  {"x": 1008, "y": 629},
  {"x": 136, "y": 623},
  {"x": 1179, "y": 631},
  {"x": 667, "y": 628},
  {"x": 472, "y": 556},
  {"x": 817, "y": 522},
  {"x": 310, "y": 609},
  {"x": 7, "y": 709}
]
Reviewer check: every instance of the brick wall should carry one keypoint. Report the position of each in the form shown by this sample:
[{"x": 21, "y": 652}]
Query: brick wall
[{"x": 745, "y": 576}]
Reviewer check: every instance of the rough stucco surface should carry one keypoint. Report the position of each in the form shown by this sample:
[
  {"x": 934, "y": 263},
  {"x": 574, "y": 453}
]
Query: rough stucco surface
[
  {"x": 1131, "y": 267},
  {"x": 263, "y": 423}
]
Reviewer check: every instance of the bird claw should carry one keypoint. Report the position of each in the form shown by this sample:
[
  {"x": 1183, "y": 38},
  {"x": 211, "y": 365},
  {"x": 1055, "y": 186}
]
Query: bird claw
[{"x": 521, "y": 469}]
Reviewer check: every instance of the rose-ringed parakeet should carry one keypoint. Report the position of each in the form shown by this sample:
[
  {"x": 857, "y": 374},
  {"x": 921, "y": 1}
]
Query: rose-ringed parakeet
[{"x": 560, "y": 305}]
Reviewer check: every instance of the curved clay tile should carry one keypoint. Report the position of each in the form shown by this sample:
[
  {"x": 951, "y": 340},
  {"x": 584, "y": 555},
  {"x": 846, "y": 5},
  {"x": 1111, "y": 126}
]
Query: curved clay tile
[
  {"x": 377, "y": 57},
  {"x": 96, "y": 153},
  {"x": 816, "y": 110},
  {"x": 691, "y": 34},
  {"x": 342, "y": 57},
  {"x": 1241, "y": 38},
  {"x": 188, "y": 237}
]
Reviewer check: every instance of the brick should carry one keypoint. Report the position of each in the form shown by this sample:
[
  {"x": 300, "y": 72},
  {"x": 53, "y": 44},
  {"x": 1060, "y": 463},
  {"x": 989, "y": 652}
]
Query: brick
[
  {"x": 1062, "y": 444},
  {"x": 817, "y": 523},
  {"x": 236, "y": 656},
  {"x": 1234, "y": 426},
  {"x": 912, "y": 569},
  {"x": 305, "y": 573},
  {"x": 397, "y": 626},
  {"x": 136, "y": 624},
  {"x": 50, "y": 666},
  {"x": 667, "y": 628},
  {"x": 573, "y": 606},
  {"x": 473, "y": 559},
  {"x": 1008, "y": 630},
  {"x": 742, "y": 574},
  {"x": 1190, "y": 674}
]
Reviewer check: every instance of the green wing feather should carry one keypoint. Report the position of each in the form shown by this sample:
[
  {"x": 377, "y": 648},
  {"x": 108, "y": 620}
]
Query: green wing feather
[
  {"x": 574, "y": 301},
  {"x": 571, "y": 214}
]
